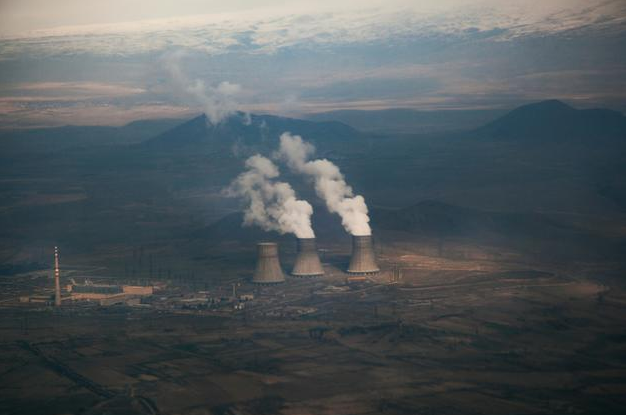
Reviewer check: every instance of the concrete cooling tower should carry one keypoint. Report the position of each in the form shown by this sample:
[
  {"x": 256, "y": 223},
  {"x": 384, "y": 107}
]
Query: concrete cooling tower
[
  {"x": 308, "y": 261},
  {"x": 268, "y": 270},
  {"x": 363, "y": 260}
]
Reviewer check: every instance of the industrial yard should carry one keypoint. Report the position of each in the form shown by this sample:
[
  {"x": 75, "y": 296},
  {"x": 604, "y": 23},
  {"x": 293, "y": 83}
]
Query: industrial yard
[{"x": 424, "y": 335}]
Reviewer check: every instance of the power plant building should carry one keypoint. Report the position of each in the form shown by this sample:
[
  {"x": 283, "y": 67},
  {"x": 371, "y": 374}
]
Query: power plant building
[
  {"x": 308, "y": 261},
  {"x": 363, "y": 260},
  {"x": 107, "y": 294},
  {"x": 96, "y": 289},
  {"x": 268, "y": 270}
]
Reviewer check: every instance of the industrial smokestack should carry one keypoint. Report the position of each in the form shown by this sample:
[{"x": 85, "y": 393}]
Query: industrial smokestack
[
  {"x": 57, "y": 282},
  {"x": 308, "y": 261},
  {"x": 268, "y": 270},
  {"x": 363, "y": 260}
]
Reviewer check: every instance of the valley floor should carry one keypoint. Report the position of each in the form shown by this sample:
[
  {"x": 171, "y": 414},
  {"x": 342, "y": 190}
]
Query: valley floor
[{"x": 441, "y": 340}]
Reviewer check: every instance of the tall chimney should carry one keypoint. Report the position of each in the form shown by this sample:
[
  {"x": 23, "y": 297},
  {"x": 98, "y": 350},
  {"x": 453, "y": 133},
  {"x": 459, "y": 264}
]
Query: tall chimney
[
  {"x": 57, "y": 282},
  {"x": 308, "y": 261},
  {"x": 363, "y": 260},
  {"x": 268, "y": 270}
]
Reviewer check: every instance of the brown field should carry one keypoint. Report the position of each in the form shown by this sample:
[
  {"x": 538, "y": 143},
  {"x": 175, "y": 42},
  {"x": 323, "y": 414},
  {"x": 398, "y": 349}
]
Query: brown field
[{"x": 454, "y": 335}]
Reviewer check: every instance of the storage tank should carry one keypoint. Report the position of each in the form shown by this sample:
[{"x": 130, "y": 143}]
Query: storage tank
[
  {"x": 268, "y": 270},
  {"x": 308, "y": 261}
]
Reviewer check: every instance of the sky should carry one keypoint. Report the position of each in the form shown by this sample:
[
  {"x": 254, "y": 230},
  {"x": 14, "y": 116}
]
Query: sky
[{"x": 93, "y": 62}]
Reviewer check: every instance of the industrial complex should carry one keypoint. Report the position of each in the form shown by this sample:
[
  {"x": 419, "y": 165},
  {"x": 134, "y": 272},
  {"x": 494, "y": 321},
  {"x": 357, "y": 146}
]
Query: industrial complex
[
  {"x": 308, "y": 264},
  {"x": 306, "y": 338},
  {"x": 268, "y": 271},
  {"x": 254, "y": 338}
]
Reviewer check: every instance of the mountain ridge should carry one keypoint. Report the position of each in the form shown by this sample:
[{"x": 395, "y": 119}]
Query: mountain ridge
[
  {"x": 408, "y": 120},
  {"x": 249, "y": 130},
  {"x": 553, "y": 119}
]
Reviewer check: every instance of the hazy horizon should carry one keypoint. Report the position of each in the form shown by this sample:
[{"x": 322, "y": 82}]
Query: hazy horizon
[{"x": 87, "y": 63}]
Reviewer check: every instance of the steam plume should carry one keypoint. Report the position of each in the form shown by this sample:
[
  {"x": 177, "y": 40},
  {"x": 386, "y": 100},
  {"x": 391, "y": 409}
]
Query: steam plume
[
  {"x": 217, "y": 102},
  {"x": 271, "y": 204},
  {"x": 330, "y": 184}
]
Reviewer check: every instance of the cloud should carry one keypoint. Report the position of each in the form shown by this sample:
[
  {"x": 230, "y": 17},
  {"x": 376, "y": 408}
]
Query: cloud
[
  {"x": 329, "y": 183},
  {"x": 271, "y": 29},
  {"x": 63, "y": 91},
  {"x": 301, "y": 59},
  {"x": 217, "y": 102},
  {"x": 271, "y": 204},
  {"x": 19, "y": 115}
]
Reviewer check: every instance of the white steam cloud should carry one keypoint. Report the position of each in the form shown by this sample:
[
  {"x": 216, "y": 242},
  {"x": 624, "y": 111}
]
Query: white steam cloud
[
  {"x": 272, "y": 205},
  {"x": 330, "y": 184},
  {"x": 217, "y": 102}
]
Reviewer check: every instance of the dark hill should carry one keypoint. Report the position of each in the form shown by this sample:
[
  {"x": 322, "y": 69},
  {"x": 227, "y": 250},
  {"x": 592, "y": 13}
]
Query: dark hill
[
  {"x": 250, "y": 132},
  {"x": 230, "y": 229},
  {"x": 56, "y": 139},
  {"x": 555, "y": 120},
  {"x": 409, "y": 121},
  {"x": 435, "y": 218},
  {"x": 524, "y": 232},
  {"x": 427, "y": 218}
]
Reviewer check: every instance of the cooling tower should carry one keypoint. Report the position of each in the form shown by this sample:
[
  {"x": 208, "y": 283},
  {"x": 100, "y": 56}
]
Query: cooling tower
[
  {"x": 268, "y": 269},
  {"x": 363, "y": 260},
  {"x": 308, "y": 261}
]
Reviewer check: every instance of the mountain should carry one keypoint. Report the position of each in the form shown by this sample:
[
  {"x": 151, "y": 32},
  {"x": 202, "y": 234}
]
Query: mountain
[
  {"x": 249, "y": 131},
  {"x": 555, "y": 120},
  {"x": 409, "y": 121},
  {"x": 38, "y": 140},
  {"x": 230, "y": 229},
  {"x": 166, "y": 189},
  {"x": 522, "y": 231},
  {"x": 427, "y": 218},
  {"x": 434, "y": 218}
]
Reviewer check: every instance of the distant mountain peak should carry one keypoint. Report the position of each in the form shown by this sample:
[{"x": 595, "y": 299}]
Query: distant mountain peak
[
  {"x": 549, "y": 105},
  {"x": 251, "y": 130},
  {"x": 555, "y": 120}
]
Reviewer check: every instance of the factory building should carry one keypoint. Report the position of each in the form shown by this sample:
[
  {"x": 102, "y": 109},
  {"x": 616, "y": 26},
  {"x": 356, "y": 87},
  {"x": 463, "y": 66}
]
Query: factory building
[
  {"x": 45, "y": 299},
  {"x": 363, "y": 260},
  {"x": 138, "y": 289},
  {"x": 308, "y": 261},
  {"x": 119, "y": 299},
  {"x": 268, "y": 270},
  {"x": 94, "y": 289},
  {"x": 107, "y": 294}
]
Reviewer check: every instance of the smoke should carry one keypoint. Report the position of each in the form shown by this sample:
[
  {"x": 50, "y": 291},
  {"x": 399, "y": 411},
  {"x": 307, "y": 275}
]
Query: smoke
[
  {"x": 217, "y": 102},
  {"x": 330, "y": 184},
  {"x": 271, "y": 204}
]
